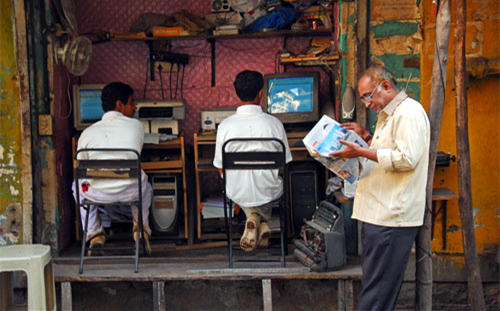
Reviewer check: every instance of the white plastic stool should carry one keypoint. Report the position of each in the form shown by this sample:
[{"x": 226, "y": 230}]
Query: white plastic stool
[{"x": 34, "y": 259}]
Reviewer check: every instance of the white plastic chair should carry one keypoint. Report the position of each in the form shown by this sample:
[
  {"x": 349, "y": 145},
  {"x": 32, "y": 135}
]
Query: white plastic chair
[{"x": 34, "y": 259}]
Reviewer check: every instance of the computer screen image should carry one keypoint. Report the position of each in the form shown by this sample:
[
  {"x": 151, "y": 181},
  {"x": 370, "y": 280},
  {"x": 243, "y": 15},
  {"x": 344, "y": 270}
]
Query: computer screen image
[
  {"x": 87, "y": 105},
  {"x": 292, "y": 97}
]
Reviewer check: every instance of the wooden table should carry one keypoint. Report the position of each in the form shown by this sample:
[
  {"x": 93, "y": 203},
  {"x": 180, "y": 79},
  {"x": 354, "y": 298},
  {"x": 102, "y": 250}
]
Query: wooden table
[{"x": 439, "y": 195}]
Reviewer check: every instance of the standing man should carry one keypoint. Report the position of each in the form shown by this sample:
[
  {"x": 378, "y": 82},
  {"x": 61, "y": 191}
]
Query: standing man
[
  {"x": 390, "y": 197},
  {"x": 116, "y": 129},
  {"x": 255, "y": 191}
]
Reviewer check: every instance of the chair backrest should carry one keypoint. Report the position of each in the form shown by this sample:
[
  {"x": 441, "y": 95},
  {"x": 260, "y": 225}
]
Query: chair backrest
[
  {"x": 253, "y": 160},
  {"x": 108, "y": 168}
]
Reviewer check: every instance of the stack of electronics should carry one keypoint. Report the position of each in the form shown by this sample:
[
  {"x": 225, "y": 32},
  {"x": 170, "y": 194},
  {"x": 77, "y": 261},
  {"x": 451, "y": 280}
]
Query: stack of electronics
[
  {"x": 321, "y": 245},
  {"x": 161, "y": 116},
  {"x": 292, "y": 97},
  {"x": 158, "y": 116},
  {"x": 211, "y": 118}
]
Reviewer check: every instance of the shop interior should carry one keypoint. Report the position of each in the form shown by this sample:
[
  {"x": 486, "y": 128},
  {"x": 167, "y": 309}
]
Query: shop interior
[{"x": 181, "y": 57}]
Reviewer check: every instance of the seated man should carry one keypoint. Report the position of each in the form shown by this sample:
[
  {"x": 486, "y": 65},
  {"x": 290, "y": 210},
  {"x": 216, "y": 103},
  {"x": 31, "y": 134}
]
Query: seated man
[
  {"x": 116, "y": 129},
  {"x": 255, "y": 191}
]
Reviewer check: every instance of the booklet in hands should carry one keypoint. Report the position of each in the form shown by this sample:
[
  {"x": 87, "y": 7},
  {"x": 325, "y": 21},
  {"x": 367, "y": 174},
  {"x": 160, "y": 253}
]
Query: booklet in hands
[{"x": 323, "y": 139}]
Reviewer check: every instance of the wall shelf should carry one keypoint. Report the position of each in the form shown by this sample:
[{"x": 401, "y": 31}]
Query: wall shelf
[{"x": 204, "y": 36}]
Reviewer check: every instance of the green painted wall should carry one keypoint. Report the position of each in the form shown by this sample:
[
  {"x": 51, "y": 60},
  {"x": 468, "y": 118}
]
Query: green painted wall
[{"x": 10, "y": 130}]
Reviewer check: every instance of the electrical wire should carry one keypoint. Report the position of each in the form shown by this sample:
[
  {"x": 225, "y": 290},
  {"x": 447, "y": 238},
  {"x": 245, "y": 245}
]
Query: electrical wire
[
  {"x": 176, "y": 81},
  {"x": 147, "y": 78},
  {"x": 161, "y": 84},
  {"x": 170, "y": 80},
  {"x": 68, "y": 94},
  {"x": 182, "y": 81},
  {"x": 407, "y": 82}
]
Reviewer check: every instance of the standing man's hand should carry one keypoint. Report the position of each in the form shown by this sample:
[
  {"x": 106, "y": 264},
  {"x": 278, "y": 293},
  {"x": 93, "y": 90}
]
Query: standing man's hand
[
  {"x": 361, "y": 131},
  {"x": 353, "y": 150},
  {"x": 354, "y": 126}
]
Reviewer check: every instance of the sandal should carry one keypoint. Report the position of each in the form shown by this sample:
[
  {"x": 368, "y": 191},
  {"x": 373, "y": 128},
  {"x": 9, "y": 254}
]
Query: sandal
[
  {"x": 147, "y": 244},
  {"x": 248, "y": 241},
  {"x": 96, "y": 244},
  {"x": 264, "y": 235}
]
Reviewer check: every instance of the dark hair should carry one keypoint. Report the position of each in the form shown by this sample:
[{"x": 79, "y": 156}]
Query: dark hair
[
  {"x": 247, "y": 84},
  {"x": 115, "y": 91}
]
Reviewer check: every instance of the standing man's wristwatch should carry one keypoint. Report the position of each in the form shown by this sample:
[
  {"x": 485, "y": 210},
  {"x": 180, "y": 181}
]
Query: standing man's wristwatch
[{"x": 368, "y": 137}]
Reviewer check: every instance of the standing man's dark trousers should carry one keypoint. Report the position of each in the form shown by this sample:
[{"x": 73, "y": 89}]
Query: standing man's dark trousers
[{"x": 385, "y": 255}]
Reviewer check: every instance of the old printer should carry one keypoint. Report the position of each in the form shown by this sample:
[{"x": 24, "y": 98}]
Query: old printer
[
  {"x": 161, "y": 116},
  {"x": 321, "y": 245}
]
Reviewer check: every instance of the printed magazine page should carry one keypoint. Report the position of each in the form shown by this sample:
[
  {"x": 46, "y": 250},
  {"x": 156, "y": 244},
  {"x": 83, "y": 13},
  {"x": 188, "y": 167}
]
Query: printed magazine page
[{"x": 323, "y": 139}]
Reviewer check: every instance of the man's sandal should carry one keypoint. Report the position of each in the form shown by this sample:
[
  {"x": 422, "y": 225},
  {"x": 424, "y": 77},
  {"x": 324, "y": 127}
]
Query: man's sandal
[
  {"x": 264, "y": 235},
  {"x": 248, "y": 241},
  {"x": 147, "y": 244},
  {"x": 96, "y": 244}
]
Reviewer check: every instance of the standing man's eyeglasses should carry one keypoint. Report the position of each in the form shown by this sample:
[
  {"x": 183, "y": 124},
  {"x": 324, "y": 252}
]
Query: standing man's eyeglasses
[{"x": 368, "y": 98}]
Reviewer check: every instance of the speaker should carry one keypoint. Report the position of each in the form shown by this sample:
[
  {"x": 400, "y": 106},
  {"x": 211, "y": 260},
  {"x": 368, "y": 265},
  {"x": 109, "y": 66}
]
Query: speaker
[
  {"x": 164, "y": 208},
  {"x": 218, "y": 6},
  {"x": 303, "y": 195}
]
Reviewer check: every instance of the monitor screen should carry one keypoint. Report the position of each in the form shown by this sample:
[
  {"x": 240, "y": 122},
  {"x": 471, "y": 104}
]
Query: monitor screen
[
  {"x": 290, "y": 94},
  {"x": 87, "y": 104},
  {"x": 292, "y": 97}
]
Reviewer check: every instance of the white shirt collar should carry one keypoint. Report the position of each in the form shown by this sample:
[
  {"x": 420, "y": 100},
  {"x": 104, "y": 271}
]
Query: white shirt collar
[
  {"x": 249, "y": 109},
  {"x": 111, "y": 114},
  {"x": 394, "y": 103}
]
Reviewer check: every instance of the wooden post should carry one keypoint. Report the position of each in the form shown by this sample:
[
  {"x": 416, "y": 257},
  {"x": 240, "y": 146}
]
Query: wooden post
[
  {"x": 267, "y": 296},
  {"x": 159, "y": 302},
  {"x": 66, "y": 296},
  {"x": 362, "y": 37},
  {"x": 475, "y": 286},
  {"x": 345, "y": 295},
  {"x": 423, "y": 288}
]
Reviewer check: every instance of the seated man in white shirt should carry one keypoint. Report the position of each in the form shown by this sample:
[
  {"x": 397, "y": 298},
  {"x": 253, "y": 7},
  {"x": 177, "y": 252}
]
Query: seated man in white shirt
[
  {"x": 116, "y": 129},
  {"x": 255, "y": 191}
]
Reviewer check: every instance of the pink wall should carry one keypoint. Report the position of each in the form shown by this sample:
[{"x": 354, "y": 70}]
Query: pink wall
[{"x": 127, "y": 61}]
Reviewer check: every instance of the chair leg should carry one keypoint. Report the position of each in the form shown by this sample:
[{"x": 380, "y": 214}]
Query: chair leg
[
  {"x": 228, "y": 218},
  {"x": 84, "y": 239},
  {"x": 283, "y": 236},
  {"x": 36, "y": 288},
  {"x": 139, "y": 240}
]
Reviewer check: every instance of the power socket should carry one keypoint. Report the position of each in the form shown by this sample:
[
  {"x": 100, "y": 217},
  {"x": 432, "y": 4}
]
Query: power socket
[{"x": 165, "y": 67}]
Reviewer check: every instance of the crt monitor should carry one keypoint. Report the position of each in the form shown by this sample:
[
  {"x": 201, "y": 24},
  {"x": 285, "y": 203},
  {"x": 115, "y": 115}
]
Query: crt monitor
[
  {"x": 87, "y": 105},
  {"x": 292, "y": 97}
]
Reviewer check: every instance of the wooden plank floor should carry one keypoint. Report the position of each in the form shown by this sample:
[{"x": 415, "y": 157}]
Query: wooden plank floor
[
  {"x": 190, "y": 268},
  {"x": 170, "y": 264}
]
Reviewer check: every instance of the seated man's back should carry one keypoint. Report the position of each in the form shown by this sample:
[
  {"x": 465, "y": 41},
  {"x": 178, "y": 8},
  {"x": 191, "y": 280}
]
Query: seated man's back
[{"x": 254, "y": 190}]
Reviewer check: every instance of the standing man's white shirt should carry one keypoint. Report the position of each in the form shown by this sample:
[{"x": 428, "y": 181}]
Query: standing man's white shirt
[
  {"x": 392, "y": 194},
  {"x": 263, "y": 186},
  {"x": 114, "y": 130}
]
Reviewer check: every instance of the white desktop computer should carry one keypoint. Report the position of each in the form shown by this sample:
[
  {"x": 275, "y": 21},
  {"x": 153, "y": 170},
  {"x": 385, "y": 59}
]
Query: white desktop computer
[{"x": 164, "y": 207}]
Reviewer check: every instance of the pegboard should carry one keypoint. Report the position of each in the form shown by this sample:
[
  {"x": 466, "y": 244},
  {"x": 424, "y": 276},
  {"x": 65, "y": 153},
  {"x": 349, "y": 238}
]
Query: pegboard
[{"x": 127, "y": 61}]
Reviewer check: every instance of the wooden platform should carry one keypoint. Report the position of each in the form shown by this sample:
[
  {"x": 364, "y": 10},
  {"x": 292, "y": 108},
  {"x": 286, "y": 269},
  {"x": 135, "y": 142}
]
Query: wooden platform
[{"x": 159, "y": 270}]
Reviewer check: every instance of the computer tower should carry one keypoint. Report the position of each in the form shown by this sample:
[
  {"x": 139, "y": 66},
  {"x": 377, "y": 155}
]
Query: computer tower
[
  {"x": 164, "y": 208},
  {"x": 303, "y": 189}
]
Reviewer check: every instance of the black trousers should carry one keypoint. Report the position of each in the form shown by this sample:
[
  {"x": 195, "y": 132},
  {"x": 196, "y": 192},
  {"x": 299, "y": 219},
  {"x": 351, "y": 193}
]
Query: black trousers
[{"x": 385, "y": 255}]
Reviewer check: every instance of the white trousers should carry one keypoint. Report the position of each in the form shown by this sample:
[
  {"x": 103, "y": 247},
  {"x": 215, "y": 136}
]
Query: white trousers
[{"x": 130, "y": 193}]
